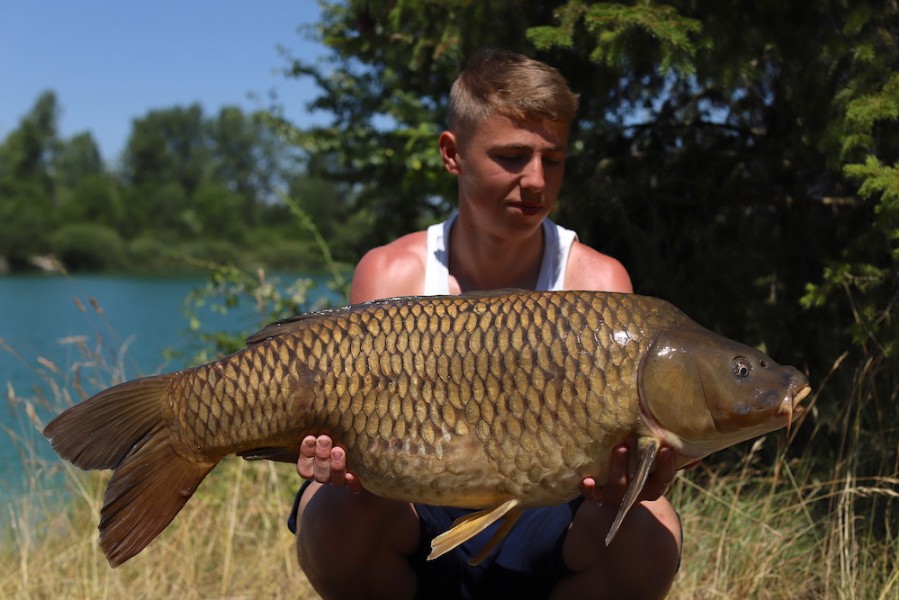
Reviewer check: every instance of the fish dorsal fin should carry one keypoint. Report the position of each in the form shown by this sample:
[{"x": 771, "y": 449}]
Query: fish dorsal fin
[
  {"x": 648, "y": 448},
  {"x": 298, "y": 322},
  {"x": 467, "y": 527},
  {"x": 492, "y": 293}
]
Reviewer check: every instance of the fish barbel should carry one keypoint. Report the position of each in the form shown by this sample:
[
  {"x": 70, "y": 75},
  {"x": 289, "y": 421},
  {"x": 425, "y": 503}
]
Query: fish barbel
[{"x": 497, "y": 401}]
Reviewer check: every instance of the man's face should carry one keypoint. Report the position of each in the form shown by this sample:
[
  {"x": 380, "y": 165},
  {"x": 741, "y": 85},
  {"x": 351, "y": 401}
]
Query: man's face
[{"x": 510, "y": 172}]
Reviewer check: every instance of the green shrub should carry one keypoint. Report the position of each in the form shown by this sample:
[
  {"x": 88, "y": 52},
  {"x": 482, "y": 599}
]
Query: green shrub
[
  {"x": 149, "y": 254},
  {"x": 287, "y": 255},
  {"x": 88, "y": 247}
]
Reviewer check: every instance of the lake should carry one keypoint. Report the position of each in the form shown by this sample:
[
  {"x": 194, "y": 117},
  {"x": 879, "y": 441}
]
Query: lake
[{"x": 60, "y": 334}]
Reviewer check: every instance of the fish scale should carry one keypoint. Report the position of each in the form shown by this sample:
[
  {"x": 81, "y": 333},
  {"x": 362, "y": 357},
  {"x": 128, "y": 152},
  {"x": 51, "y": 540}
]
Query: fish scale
[{"x": 497, "y": 401}]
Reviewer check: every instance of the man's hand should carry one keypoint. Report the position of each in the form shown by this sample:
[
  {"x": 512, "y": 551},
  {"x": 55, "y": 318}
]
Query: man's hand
[
  {"x": 612, "y": 493},
  {"x": 320, "y": 460}
]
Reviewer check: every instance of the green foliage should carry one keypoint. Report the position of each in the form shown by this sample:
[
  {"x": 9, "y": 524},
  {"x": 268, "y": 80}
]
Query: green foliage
[
  {"x": 231, "y": 290},
  {"x": 27, "y": 155},
  {"x": 93, "y": 198},
  {"x": 167, "y": 146},
  {"x": 25, "y": 214},
  {"x": 147, "y": 253},
  {"x": 88, "y": 247},
  {"x": 77, "y": 158},
  {"x": 229, "y": 287},
  {"x": 660, "y": 33}
]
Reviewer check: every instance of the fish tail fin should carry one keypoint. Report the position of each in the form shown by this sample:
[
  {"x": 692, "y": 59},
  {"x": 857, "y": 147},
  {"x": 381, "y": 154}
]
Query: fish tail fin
[{"x": 123, "y": 429}]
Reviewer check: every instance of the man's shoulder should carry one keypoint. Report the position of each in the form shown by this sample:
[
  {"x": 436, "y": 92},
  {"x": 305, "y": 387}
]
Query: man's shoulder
[
  {"x": 394, "y": 269},
  {"x": 405, "y": 252},
  {"x": 589, "y": 269}
]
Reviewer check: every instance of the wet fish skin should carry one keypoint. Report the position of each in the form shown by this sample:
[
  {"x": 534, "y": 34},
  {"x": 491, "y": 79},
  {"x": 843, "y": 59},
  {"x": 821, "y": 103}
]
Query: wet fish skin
[{"x": 498, "y": 401}]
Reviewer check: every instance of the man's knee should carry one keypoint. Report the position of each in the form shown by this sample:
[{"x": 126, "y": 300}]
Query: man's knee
[
  {"x": 641, "y": 561},
  {"x": 354, "y": 545}
]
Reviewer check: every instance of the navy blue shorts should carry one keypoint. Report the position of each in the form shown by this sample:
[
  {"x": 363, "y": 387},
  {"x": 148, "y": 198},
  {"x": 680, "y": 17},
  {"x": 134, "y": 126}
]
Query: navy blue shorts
[{"x": 527, "y": 563}]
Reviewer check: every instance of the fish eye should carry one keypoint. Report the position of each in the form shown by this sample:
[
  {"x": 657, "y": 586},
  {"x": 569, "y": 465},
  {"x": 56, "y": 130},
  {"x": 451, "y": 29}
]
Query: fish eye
[{"x": 742, "y": 367}]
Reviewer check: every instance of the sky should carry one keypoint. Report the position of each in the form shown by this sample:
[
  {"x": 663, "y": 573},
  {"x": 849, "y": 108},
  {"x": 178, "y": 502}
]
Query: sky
[{"x": 111, "y": 61}]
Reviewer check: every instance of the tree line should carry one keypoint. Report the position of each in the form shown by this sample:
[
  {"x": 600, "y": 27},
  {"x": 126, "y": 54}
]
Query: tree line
[{"x": 187, "y": 189}]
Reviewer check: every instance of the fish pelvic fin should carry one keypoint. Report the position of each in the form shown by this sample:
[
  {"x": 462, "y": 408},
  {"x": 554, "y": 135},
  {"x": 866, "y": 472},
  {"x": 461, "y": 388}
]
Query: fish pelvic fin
[
  {"x": 648, "y": 447},
  {"x": 467, "y": 527},
  {"x": 499, "y": 535},
  {"x": 123, "y": 429},
  {"x": 288, "y": 455}
]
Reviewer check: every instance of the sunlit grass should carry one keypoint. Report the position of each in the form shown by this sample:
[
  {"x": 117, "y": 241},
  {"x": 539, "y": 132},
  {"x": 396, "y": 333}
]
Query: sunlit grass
[
  {"x": 758, "y": 533},
  {"x": 229, "y": 542}
]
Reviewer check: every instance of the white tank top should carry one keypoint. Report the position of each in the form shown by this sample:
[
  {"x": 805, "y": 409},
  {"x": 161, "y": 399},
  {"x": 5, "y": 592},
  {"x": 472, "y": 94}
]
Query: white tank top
[{"x": 552, "y": 268}]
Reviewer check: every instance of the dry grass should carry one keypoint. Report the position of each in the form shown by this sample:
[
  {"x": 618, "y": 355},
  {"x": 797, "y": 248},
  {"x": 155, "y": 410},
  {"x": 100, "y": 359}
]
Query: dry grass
[
  {"x": 229, "y": 542},
  {"x": 758, "y": 533}
]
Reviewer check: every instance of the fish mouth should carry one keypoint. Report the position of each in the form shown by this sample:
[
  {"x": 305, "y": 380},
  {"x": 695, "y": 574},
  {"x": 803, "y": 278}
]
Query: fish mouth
[{"x": 790, "y": 407}]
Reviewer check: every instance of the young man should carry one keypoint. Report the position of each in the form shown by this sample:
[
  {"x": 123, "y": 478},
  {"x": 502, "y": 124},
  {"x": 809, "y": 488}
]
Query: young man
[{"x": 507, "y": 142}]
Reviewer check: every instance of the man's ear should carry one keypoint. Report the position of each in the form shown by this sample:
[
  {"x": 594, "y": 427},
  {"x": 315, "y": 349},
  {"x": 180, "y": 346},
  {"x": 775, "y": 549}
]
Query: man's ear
[{"x": 449, "y": 151}]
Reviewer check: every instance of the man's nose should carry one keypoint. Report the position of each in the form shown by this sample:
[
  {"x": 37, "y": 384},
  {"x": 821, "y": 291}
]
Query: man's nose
[{"x": 532, "y": 174}]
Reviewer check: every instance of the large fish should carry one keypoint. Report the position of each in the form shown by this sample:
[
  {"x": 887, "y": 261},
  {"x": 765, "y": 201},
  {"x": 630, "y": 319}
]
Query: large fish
[{"x": 496, "y": 401}]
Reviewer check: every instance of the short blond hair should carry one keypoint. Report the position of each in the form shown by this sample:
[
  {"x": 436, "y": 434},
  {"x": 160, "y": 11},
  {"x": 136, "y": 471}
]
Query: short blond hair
[{"x": 499, "y": 82}]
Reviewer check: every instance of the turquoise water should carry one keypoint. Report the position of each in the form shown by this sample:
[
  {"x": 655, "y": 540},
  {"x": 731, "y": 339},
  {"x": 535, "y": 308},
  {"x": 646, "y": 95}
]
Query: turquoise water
[{"x": 125, "y": 324}]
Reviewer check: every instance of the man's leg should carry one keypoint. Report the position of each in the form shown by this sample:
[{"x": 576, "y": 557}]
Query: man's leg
[
  {"x": 641, "y": 561},
  {"x": 356, "y": 545}
]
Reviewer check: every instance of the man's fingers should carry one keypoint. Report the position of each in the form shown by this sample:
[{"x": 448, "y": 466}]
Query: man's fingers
[
  {"x": 589, "y": 490},
  {"x": 321, "y": 466},
  {"x": 353, "y": 484},
  {"x": 320, "y": 460},
  {"x": 307, "y": 457},
  {"x": 337, "y": 461},
  {"x": 613, "y": 490}
]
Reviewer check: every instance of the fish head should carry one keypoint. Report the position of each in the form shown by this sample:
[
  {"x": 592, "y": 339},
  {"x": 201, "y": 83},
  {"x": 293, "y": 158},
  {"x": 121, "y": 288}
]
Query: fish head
[{"x": 702, "y": 392}]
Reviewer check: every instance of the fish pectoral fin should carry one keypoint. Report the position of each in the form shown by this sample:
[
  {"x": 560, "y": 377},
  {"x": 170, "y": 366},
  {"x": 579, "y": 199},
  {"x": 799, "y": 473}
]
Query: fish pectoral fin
[
  {"x": 648, "y": 448},
  {"x": 288, "y": 455},
  {"x": 467, "y": 527}
]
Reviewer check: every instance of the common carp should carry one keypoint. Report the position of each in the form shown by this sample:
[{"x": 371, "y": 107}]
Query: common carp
[{"x": 497, "y": 401}]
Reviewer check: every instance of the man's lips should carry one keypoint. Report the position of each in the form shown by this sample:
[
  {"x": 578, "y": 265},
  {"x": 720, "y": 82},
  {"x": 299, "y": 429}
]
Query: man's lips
[{"x": 527, "y": 208}]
